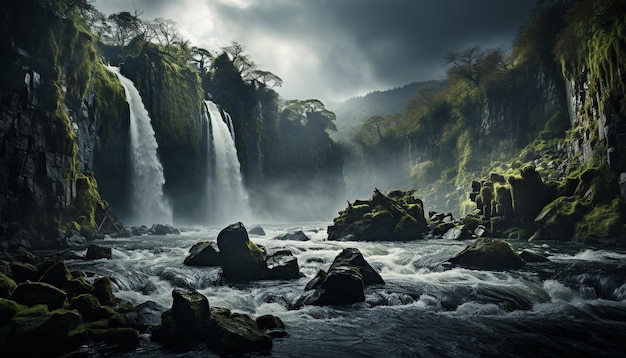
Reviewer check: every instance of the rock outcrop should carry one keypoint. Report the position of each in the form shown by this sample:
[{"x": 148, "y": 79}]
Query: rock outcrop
[{"x": 397, "y": 216}]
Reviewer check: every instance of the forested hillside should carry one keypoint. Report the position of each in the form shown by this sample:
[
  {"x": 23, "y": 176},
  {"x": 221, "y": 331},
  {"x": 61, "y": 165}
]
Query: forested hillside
[
  {"x": 555, "y": 105},
  {"x": 353, "y": 112}
]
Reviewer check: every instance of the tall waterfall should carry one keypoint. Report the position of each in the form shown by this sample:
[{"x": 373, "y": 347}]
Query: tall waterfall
[
  {"x": 148, "y": 204},
  {"x": 227, "y": 197}
]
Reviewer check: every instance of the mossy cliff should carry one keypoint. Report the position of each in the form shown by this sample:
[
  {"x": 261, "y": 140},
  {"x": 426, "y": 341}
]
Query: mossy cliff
[
  {"x": 52, "y": 91},
  {"x": 172, "y": 93}
]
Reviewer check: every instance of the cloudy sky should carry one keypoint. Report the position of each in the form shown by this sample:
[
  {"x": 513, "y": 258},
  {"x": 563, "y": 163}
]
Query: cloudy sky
[{"x": 337, "y": 49}]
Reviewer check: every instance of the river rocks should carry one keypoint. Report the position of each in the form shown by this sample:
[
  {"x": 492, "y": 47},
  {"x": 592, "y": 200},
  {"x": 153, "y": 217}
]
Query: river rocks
[
  {"x": 149, "y": 315},
  {"x": 192, "y": 320},
  {"x": 271, "y": 325},
  {"x": 7, "y": 286},
  {"x": 237, "y": 334},
  {"x": 297, "y": 235},
  {"x": 343, "y": 283},
  {"x": 156, "y": 229},
  {"x": 203, "y": 254},
  {"x": 33, "y": 293},
  {"x": 95, "y": 252},
  {"x": 488, "y": 254},
  {"x": 353, "y": 257},
  {"x": 394, "y": 217},
  {"x": 257, "y": 230},
  {"x": 532, "y": 257},
  {"x": 241, "y": 259},
  {"x": 282, "y": 265},
  {"x": 61, "y": 311}
]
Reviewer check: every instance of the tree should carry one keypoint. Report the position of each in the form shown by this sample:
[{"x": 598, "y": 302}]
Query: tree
[
  {"x": 474, "y": 64},
  {"x": 163, "y": 31},
  {"x": 201, "y": 58},
  {"x": 268, "y": 79},
  {"x": 125, "y": 27},
  {"x": 242, "y": 62},
  {"x": 375, "y": 127},
  {"x": 309, "y": 110}
]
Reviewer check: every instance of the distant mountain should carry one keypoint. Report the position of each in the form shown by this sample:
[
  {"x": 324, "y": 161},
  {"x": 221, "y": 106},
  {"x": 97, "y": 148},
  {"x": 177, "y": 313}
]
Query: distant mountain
[{"x": 353, "y": 112}]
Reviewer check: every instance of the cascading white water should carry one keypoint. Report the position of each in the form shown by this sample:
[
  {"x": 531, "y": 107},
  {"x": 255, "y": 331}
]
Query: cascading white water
[
  {"x": 231, "y": 126},
  {"x": 227, "y": 197},
  {"x": 149, "y": 206}
]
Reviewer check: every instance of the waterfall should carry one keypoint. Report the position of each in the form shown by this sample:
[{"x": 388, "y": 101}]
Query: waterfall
[
  {"x": 148, "y": 204},
  {"x": 227, "y": 197}
]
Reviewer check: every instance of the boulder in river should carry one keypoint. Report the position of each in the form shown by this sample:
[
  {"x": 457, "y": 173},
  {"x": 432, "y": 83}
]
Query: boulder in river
[
  {"x": 241, "y": 259},
  {"x": 282, "y": 265},
  {"x": 397, "y": 216},
  {"x": 488, "y": 254},
  {"x": 343, "y": 283},
  {"x": 203, "y": 254},
  {"x": 95, "y": 252},
  {"x": 297, "y": 235}
]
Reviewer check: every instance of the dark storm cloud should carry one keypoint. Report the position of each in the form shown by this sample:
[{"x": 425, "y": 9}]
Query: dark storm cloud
[{"x": 339, "y": 48}]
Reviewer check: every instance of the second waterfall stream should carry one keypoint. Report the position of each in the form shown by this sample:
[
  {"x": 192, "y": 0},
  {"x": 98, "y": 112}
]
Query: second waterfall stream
[{"x": 227, "y": 196}]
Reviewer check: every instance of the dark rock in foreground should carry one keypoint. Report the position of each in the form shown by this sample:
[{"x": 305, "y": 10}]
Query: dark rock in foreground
[
  {"x": 191, "y": 320},
  {"x": 488, "y": 254},
  {"x": 58, "y": 310}
]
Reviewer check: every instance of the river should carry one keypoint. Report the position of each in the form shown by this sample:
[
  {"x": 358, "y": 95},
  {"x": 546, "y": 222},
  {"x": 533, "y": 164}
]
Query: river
[{"x": 574, "y": 305}]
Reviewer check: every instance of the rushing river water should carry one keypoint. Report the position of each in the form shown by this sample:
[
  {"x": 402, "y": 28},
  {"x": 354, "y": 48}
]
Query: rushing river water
[{"x": 573, "y": 306}]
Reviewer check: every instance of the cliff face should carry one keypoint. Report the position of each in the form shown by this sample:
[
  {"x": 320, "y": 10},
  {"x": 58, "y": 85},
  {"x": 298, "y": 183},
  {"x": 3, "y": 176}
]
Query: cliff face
[
  {"x": 172, "y": 94},
  {"x": 591, "y": 53},
  {"x": 51, "y": 95}
]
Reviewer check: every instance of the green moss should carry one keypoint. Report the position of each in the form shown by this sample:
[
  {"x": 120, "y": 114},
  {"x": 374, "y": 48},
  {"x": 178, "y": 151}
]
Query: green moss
[
  {"x": 562, "y": 215},
  {"x": 602, "y": 222},
  {"x": 87, "y": 201}
]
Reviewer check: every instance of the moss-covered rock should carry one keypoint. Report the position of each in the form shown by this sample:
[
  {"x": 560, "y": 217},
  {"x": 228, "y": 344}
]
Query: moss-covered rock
[
  {"x": 603, "y": 224},
  {"x": 558, "y": 219},
  {"x": 7, "y": 286},
  {"x": 49, "y": 329},
  {"x": 203, "y": 254},
  {"x": 8, "y": 309},
  {"x": 237, "y": 335},
  {"x": 102, "y": 290},
  {"x": 271, "y": 325},
  {"x": 529, "y": 194},
  {"x": 34, "y": 293},
  {"x": 57, "y": 275},
  {"x": 240, "y": 258},
  {"x": 397, "y": 217},
  {"x": 488, "y": 254},
  {"x": 89, "y": 307}
]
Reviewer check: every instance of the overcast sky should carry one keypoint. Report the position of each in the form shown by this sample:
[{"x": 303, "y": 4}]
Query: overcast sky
[{"x": 337, "y": 49}]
